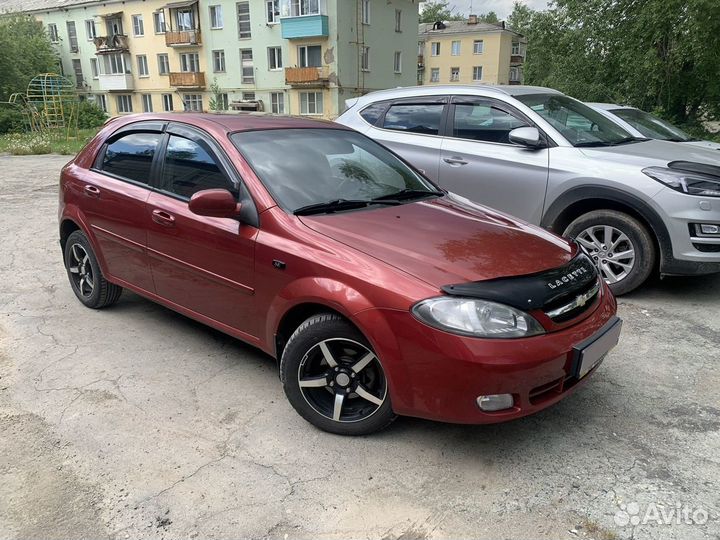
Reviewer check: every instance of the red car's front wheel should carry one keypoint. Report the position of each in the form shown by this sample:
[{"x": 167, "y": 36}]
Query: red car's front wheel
[{"x": 334, "y": 379}]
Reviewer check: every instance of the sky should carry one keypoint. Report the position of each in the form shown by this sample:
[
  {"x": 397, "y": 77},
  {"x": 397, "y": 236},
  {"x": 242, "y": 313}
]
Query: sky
[{"x": 501, "y": 7}]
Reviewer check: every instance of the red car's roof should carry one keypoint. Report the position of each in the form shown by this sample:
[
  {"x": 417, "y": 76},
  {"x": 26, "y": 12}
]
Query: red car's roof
[{"x": 236, "y": 122}]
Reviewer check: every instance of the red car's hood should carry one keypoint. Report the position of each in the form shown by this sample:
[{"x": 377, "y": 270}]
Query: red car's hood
[{"x": 446, "y": 240}]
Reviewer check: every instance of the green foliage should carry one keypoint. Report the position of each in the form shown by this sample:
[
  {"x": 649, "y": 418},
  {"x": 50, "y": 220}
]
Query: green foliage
[
  {"x": 439, "y": 10},
  {"x": 49, "y": 142},
  {"x": 489, "y": 17},
  {"x": 11, "y": 120},
  {"x": 25, "y": 51},
  {"x": 658, "y": 55},
  {"x": 90, "y": 115},
  {"x": 216, "y": 101}
]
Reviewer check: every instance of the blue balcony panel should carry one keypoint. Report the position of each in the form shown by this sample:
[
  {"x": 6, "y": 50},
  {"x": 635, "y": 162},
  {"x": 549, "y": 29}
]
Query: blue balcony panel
[{"x": 306, "y": 26}]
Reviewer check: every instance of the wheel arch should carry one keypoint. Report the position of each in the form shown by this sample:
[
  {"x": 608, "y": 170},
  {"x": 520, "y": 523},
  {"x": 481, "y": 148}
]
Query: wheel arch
[{"x": 578, "y": 201}]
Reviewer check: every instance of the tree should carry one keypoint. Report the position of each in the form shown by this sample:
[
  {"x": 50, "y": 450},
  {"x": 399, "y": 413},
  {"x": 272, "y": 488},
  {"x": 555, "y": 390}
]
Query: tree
[
  {"x": 521, "y": 18},
  {"x": 216, "y": 97},
  {"x": 25, "y": 51},
  {"x": 489, "y": 17},
  {"x": 439, "y": 11}
]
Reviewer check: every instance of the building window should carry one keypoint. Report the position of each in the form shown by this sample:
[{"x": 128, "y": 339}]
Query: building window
[
  {"x": 454, "y": 74},
  {"x": 193, "y": 102},
  {"x": 455, "y": 48},
  {"x": 138, "y": 26},
  {"x": 114, "y": 26},
  {"x": 189, "y": 62},
  {"x": 163, "y": 64},
  {"x": 101, "y": 100},
  {"x": 216, "y": 17},
  {"x": 275, "y": 58},
  {"x": 248, "y": 96},
  {"x": 124, "y": 103},
  {"x": 297, "y": 8},
  {"x": 272, "y": 11},
  {"x": 310, "y": 55},
  {"x": 77, "y": 69},
  {"x": 397, "y": 62},
  {"x": 115, "y": 64},
  {"x": 167, "y": 100},
  {"x": 311, "y": 103},
  {"x": 515, "y": 48},
  {"x": 277, "y": 102},
  {"x": 365, "y": 11},
  {"x": 90, "y": 29},
  {"x": 435, "y": 75},
  {"x": 478, "y": 46},
  {"x": 246, "y": 66},
  {"x": 53, "y": 32},
  {"x": 185, "y": 18},
  {"x": 435, "y": 48},
  {"x": 72, "y": 36},
  {"x": 398, "y": 20},
  {"x": 159, "y": 22},
  {"x": 218, "y": 61},
  {"x": 222, "y": 104},
  {"x": 243, "y": 15},
  {"x": 94, "y": 68},
  {"x": 142, "y": 64},
  {"x": 477, "y": 73},
  {"x": 147, "y": 103},
  {"x": 514, "y": 74},
  {"x": 365, "y": 58}
]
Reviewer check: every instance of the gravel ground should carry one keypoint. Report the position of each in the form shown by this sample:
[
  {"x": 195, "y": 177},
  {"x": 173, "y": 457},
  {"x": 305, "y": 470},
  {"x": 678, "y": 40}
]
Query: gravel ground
[{"x": 135, "y": 422}]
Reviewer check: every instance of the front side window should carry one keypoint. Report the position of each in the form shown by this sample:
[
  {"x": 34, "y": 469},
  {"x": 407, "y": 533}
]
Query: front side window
[
  {"x": 131, "y": 156},
  {"x": 414, "y": 117},
  {"x": 191, "y": 167},
  {"x": 311, "y": 103},
  {"x": 320, "y": 165},
  {"x": 216, "y": 17},
  {"x": 484, "y": 121},
  {"x": 243, "y": 16},
  {"x": 138, "y": 26},
  {"x": 247, "y": 66},
  {"x": 578, "y": 123},
  {"x": 651, "y": 126},
  {"x": 310, "y": 55}
]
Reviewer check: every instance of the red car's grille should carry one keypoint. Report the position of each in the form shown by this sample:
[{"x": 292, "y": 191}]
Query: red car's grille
[{"x": 573, "y": 304}]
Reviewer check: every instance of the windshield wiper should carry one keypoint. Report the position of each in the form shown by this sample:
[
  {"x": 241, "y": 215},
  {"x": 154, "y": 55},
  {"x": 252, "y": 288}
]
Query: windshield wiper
[
  {"x": 337, "y": 205},
  {"x": 590, "y": 144},
  {"x": 408, "y": 193},
  {"x": 627, "y": 140}
]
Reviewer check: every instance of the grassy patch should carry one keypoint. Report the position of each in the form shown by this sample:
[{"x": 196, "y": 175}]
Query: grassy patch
[{"x": 27, "y": 144}]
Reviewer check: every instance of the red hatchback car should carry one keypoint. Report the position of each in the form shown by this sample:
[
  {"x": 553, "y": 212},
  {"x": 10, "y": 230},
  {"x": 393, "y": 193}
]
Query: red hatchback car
[{"x": 378, "y": 293}]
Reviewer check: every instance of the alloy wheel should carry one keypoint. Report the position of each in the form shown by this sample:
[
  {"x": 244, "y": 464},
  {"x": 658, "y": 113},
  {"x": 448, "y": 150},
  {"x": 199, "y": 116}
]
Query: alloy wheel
[
  {"x": 611, "y": 250},
  {"x": 342, "y": 380},
  {"x": 81, "y": 270}
]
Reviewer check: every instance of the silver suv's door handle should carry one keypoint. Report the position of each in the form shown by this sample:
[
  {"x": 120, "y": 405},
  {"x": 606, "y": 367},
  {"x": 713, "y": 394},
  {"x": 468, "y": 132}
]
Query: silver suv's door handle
[{"x": 455, "y": 160}]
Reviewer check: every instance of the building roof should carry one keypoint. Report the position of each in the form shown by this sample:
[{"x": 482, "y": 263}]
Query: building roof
[
  {"x": 44, "y": 5},
  {"x": 461, "y": 27}
]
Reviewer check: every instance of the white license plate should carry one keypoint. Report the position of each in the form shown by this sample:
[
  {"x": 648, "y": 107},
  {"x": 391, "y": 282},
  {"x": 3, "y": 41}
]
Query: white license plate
[{"x": 591, "y": 352}]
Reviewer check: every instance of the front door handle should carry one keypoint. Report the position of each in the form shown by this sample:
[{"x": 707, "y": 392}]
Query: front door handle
[
  {"x": 91, "y": 191},
  {"x": 163, "y": 218},
  {"x": 455, "y": 160}
]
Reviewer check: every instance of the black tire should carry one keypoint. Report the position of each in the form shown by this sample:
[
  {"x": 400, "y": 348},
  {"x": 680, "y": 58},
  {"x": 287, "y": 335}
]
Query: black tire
[
  {"x": 638, "y": 236},
  {"x": 303, "y": 354},
  {"x": 86, "y": 279}
]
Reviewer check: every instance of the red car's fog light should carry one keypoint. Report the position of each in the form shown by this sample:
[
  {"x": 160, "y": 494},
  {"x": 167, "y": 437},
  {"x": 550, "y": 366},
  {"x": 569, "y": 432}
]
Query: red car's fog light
[{"x": 495, "y": 402}]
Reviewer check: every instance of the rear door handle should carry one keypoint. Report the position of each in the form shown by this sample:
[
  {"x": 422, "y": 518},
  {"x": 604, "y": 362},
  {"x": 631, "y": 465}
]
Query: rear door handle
[
  {"x": 163, "y": 218},
  {"x": 455, "y": 160},
  {"x": 92, "y": 191}
]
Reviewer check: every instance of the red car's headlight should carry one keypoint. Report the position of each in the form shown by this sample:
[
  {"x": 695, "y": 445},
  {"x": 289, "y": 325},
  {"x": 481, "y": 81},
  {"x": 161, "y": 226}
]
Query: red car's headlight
[{"x": 476, "y": 318}]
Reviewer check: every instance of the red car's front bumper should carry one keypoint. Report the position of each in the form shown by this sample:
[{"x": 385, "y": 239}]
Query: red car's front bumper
[{"x": 438, "y": 375}]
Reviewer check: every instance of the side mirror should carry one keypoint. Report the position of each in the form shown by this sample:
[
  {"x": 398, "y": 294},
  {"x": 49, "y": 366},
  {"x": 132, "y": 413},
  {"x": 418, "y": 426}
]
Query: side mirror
[
  {"x": 214, "y": 203},
  {"x": 526, "y": 136}
]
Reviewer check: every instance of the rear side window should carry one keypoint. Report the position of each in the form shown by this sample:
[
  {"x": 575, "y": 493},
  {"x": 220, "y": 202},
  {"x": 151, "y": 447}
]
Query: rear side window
[
  {"x": 131, "y": 156},
  {"x": 415, "y": 118},
  {"x": 191, "y": 167},
  {"x": 373, "y": 113},
  {"x": 484, "y": 122}
]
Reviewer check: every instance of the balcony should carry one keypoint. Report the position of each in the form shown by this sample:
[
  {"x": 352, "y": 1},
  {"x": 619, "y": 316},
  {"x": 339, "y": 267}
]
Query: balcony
[
  {"x": 421, "y": 61},
  {"x": 183, "y": 38},
  {"x": 111, "y": 44},
  {"x": 307, "y": 77},
  {"x": 517, "y": 59},
  {"x": 187, "y": 79},
  {"x": 116, "y": 82},
  {"x": 304, "y": 26}
]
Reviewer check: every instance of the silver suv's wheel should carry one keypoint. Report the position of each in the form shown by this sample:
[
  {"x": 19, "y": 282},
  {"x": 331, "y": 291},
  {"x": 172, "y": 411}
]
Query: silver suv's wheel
[{"x": 620, "y": 245}]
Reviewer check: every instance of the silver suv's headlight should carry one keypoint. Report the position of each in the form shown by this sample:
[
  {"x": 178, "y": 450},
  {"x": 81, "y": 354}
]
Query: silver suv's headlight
[
  {"x": 476, "y": 318},
  {"x": 692, "y": 183}
]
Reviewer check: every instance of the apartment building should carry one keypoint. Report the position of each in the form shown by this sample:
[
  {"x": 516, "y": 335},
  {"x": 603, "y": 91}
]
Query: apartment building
[
  {"x": 286, "y": 56},
  {"x": 469, "y": 52}
]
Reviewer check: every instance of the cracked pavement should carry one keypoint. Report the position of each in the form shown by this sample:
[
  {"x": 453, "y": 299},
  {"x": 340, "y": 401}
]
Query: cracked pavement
[{"x": 135, "y": 422}]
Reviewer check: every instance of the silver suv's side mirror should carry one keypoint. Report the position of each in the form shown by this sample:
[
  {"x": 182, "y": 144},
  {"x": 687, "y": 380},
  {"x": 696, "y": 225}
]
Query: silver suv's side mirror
[{"x": 526, "y": 136}]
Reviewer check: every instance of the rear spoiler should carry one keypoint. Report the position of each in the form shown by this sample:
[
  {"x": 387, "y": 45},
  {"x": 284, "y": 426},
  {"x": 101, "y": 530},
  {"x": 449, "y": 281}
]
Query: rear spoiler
[{"x": 350, "y": 103}]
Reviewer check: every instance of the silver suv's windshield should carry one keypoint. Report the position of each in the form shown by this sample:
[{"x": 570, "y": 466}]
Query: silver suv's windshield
[
  {"x": 328, "y": 170},
  {"x": 651, "y": 126},
  {"x": 578, "y": 123}
]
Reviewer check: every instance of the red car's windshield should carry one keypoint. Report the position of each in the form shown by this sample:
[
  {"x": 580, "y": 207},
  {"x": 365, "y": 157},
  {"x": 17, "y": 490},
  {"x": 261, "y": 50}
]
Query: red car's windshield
[{"x": 303, "y": 167}]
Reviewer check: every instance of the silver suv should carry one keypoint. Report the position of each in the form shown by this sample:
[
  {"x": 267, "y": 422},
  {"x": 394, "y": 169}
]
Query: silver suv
[{"x": 634, "y": 204}]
